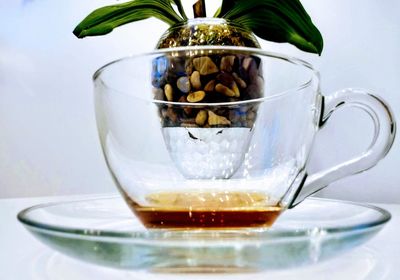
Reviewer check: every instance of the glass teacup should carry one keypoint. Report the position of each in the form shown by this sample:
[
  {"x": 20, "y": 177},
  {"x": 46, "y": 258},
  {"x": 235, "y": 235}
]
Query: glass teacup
[{"x": 233, "y": 154}]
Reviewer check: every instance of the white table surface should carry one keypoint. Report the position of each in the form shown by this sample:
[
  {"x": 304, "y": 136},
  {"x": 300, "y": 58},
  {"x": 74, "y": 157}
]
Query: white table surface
[{"x": 24, "y": 257}]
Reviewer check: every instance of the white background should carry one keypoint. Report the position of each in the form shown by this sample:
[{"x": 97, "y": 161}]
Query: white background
[{"x": 48, "y": 139}]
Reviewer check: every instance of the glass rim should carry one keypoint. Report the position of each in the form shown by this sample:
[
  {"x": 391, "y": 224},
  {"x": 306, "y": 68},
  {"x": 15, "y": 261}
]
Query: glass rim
[{"x": 314, "y": 74}]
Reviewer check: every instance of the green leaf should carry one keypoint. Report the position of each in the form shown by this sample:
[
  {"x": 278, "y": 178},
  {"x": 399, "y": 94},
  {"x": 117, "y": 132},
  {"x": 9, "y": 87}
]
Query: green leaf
[
  {"x": 178, "y": 4},
  {"x": 276, "y": 20},
  {"x": 105, "y": 19},
  {"x": 225, "y": 7}
]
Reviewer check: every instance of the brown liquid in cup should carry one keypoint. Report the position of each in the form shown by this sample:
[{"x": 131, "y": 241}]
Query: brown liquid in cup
[{"x": 224, "y": 210}]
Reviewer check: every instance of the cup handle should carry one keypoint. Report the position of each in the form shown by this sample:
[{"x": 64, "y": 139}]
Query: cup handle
[{"x": 384, "y": 133}]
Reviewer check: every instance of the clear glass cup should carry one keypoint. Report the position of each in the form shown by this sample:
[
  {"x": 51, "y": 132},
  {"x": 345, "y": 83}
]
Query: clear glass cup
[{"x": 221, "y": 159}]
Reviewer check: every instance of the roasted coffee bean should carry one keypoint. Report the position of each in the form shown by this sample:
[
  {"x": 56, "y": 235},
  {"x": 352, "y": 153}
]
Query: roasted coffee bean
[
  {"x": 225, "y": 90},
  {"x": 248, "y": 69},
  {"x": 226, "y": 79},
  {"x": 195, "y": 80},
  {"x": 215, "y": 120},
  {"x": 235, "y": 89},
  {"x": 205, "y": 65},
  {"x": 210, "y": 86},
  {"x": 169, "y": 92},
  {"x": 227, "y": 63},
  {"x": 187, "y": 109},
  {"x": 247, "y": 62},
  {"x": 171, "y": 114},
  {"x": 196, "y": 96},
  {"x": 201, "y": 117},
  {"x": 239, "y": 80}
]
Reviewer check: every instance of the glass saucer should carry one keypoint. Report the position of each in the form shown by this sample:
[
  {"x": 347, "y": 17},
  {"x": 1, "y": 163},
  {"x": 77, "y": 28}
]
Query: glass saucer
[{"x": 104, "y": 231}]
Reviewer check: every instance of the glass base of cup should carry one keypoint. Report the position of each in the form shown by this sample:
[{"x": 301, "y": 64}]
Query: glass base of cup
[{"x": 206, "y": 210}]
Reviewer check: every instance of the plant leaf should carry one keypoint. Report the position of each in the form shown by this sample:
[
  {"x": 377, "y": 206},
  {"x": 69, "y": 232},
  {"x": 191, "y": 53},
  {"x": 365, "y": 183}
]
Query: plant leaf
[
  {"x": 178, "y": 4},
  {"x": 278, "y": 21},
  {"x": 225, "y": 7},
  {"x": 103, "y": 20}
]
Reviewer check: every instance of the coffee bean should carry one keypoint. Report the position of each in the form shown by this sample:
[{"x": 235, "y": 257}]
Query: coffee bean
[
  {"x": 169, "y": 92},
  {"x": 201, "y": 117},
  {"x": 239, "y": 80},
  {"x": 196, "y": 96},
  {"x": 225, "y": 90},
  {"x": 226, "y": 79},
  {"x": 210, "y": 86},
  {"x": 186, "y": 109},
  {"x": 227, "y": 63},
  {"x": 205, "y": 65},
  {"x": 215, "y": 120},
  {"x": 235, "y": 89},
  {"x": 195, "y": 80},
  {"x": 171, "y": 114},
  {"x": 247, "y": 62}
]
